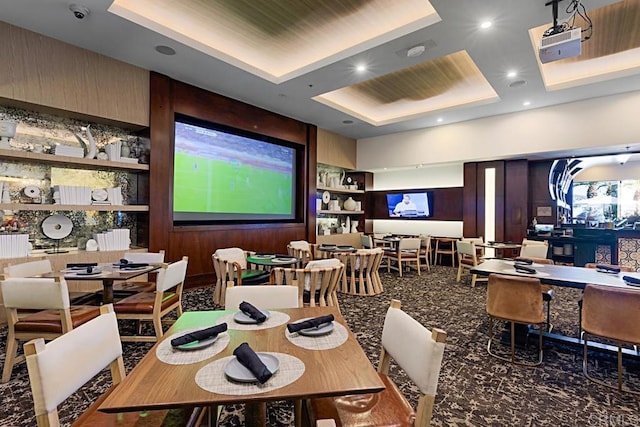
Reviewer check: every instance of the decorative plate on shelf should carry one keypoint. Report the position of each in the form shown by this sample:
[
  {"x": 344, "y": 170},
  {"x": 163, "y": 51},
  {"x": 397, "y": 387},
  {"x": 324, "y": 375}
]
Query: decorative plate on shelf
[
  {"x": 99, "y": 195},
  {"x": 326, "y": 196},
  {"x": 57, "y": 226}
]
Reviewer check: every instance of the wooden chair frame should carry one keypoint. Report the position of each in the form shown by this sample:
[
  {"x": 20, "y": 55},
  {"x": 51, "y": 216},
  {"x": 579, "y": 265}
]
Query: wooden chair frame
[
  {"x": 324, "y": 280},
  {"x": 227, "y": 271},
  {"x": 467, "y": 252},
  {"x": 361, "y": 276},
  {"x": 400, "y": 255}
]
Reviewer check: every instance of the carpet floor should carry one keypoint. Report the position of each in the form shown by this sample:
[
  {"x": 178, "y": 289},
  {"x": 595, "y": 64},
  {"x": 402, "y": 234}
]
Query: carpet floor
[{"x": 475, "y": 389}]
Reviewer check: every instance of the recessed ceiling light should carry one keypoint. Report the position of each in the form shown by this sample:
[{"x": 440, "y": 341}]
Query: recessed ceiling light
[
  {"x": 165, "y": 50},
  {"x": 486, "y": 24},
  {"x": 347, "y": 122},
  {"x": 415, "y": 51},
  {"x": 526, "y": 103},
  {"x": 511, "y": 74},
  {"x": 440, "y": 119},
  {"x": 361, "y": 68},
  {"x": 517, "y": 83}
]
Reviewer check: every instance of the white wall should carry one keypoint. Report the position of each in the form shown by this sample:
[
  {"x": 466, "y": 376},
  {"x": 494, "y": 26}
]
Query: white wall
[
  {"x": 436, "y": 176},
  {"x": 606, "y": 121}
]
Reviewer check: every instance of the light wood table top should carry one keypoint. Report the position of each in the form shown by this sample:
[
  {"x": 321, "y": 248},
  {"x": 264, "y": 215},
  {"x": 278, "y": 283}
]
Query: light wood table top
[{"x": 153, "y": 384}]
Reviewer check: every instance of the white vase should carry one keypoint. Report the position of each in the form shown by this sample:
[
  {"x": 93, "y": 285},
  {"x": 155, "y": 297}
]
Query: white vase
[
  {"x": 349, "y": 204},
  {"x": 354, "y": 227}
]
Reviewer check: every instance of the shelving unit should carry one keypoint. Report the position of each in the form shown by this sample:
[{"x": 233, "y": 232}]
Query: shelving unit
[
  {"x": 339, "y": 190},
  {"x": 62, "y": 161},
  {"x": 87, "y": 208}
]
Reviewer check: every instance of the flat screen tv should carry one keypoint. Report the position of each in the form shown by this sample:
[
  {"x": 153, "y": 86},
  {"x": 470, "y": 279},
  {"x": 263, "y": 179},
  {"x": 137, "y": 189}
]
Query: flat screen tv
[
  {"x": 225, "y": 175},
  {"x": 418, "y": 205}
]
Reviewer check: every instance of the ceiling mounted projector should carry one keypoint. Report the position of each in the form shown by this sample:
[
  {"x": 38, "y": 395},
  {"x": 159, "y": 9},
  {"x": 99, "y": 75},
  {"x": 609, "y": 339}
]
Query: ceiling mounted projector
[{"x": 562, "y": 45}]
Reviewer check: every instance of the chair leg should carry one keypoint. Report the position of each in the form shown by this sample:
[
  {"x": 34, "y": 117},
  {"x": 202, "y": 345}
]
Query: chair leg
[
  {"x": 513, "y": 346},
  {"x": 474, "y": 277},
  {"x": 585, "y": 362},
  {"x": 459, "y": 273},
  {"x": 157, "y": 325},
  {"x": 9, "y": 359}
]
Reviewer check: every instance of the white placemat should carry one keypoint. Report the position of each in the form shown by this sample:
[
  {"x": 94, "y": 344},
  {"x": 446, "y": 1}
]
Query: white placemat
[
  {"x": 167, "y": 354},
  {"x": 276, "y": 318},
  {"x": 212, "y": 378},
  {"x": 335, "y": 338}
]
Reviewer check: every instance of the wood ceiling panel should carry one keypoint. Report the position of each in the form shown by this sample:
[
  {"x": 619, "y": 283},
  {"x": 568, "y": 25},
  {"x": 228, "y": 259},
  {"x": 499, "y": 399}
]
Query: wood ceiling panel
[{"x": 422, "y": 81}]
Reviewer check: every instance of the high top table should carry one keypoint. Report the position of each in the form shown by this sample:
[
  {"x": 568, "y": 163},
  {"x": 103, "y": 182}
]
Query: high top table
[{"x": 338, "y": 371}]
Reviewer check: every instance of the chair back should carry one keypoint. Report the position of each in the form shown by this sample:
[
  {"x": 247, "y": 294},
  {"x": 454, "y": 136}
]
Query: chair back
[
  {"x": 417, "y": 350},
  {"x": 411, "y": 244},
  {"x": 61, "y": 367},
  {"x": 29, "y": 269},
  {"x": 35, "y": 293},
  {"x": 515, "y": 298},
  {"x": 611, "y": 312},
  {"x": 300, "y": 249},
  {"x": 232, "y": 255},
  {"x": 425, "y": 242},
  {"x": 534, "y": 250},
  {"x": 474, "y": 240},
  {"x": 545, "y": 261},
  {"x": 261, "y": 296},
  {"x": 142, "y": 257},
  {"x": 319, "y": 279},
  {"x": 172, "y": 275},
  {"x": 366, "y": 241},
  {"x": 466, "y": 249},
  {"x": 623, "y": 268}
]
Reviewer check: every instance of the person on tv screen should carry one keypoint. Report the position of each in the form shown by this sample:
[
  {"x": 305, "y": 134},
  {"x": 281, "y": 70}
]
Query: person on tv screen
[{"x": 406, "y": 206}]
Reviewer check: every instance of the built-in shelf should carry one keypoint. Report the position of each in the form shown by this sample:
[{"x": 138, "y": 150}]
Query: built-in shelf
[
  {"x": 28, "y": 156},
  {"x": 343, "y": 212},
  {"x": 50, "y": 207},
  {"x": 339, "y": 190}
]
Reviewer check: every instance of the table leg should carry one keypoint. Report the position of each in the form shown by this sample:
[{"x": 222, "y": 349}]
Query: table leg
[
  {"x": 255, "y": 414},
  {"x": 107, "y": 291}
]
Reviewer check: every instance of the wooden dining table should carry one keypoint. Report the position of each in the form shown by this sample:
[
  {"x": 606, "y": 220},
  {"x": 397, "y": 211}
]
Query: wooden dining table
[{"x": 154, "y": 384}]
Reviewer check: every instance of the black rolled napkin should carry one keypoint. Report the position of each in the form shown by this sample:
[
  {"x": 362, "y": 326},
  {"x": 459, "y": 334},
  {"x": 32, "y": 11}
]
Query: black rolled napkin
[
  {"x": 199, "y": 335},
  {"x": 252, "y": 312},
  {"x": 631, "y": 280},
  {"x": 132, "y": 265},
  {"x": 607, "y": 268},
  {"x": 309, "y": 323},
  {"x": 523, "y": 269},
  {"x": 523, "y": 261},
  {"x": 250, "y": 360},
  {"x": 82, "y": 264}
]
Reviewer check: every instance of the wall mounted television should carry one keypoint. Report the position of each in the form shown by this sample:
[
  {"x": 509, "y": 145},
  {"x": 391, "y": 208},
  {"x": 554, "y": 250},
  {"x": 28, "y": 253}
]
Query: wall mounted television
[
  {"x": 406, "y": 205},
  {"x": 226, "y": 175}
]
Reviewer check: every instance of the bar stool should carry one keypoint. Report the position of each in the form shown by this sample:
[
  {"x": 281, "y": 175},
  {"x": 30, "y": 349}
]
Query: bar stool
[{"x": 445, "y": 246}]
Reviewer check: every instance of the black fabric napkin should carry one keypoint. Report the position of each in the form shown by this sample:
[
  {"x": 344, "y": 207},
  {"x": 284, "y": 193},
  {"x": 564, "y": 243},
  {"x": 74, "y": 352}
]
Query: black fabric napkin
[
  {"x": 523, "y": 269},
  {"x": 199, "y": 335},
  {"x": 133, "y": 265},
  {"x": 82, "y": 264},
  {"x": 309, "y": 323},
  {"x": 523, "y": 261},
  {"x": 252, "y": 312},
  {"x": 250, "y": 360},
  {"x": 632, "y": 280},
  {"x": 607, "y": 268}
]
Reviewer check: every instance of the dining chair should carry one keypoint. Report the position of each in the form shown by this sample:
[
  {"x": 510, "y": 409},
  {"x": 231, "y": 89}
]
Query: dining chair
[
  {"x": 139, "y": 285},
  {"x": 29, "y": 268},
  {"x": 515, "y": 300},
  {"x": 407, "y": 252},
  {"x": 317, "y": 283},
  {"x": 53, "y": 317},
  {"x": 613, "y": 314},
  {"x": 534, "y": 249},
  {"x": 153, "y": 306},
  {"x": 418, "y": 351},
  {"x": 476, "y": 241},
  {"x": 623, "y": 269},
  {"x": 361, "y": 276},
  {"x": 547, "y": 291},
  {"x": 467, "y": 260},
  {"x": 230, "y": 264},
  {"x": 366, "y": 241},
  {"x": 426, "y": 251},
  {"x": 302, "y": 250},
  {"x": 445, "y": 246},
  {"x": 262, "y": 296},
  {"x": 61, "y": 367}
]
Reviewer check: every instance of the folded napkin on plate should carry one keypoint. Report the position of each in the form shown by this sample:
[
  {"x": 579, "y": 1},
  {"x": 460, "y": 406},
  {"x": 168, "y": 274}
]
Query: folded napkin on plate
[
  {"x": 134, "y": 265},
  {"x": 199, "y": 335},
  {"x": 523, "y": 261},
  {"x": 309, "y": 323},
  {"x": 252, "y": 312},
  {"x": 607, "y": 268},
  {"x": 82, "y": 264},
  {"x": 523, "y": 269},
  {"x": 632, "y": 280},
  {"x": 250, "y": 360}
]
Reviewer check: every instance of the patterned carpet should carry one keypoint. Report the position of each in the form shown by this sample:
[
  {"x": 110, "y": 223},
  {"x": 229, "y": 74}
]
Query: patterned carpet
[{"x": 474, "y": 389}]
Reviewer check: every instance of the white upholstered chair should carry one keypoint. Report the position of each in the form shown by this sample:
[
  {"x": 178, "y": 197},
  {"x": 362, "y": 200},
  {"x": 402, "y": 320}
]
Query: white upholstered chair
[
  {"x": 139, "y": 285},
  {"x": 467, "y": 259},
  {"x": 418, "y": 352},
  {"x": 407, "y": 252},
  {"x": 153, "y": 306},
  {"x": 262, "y": 296},
  {"x": 302, "y": 250},
  {"x": 29, "y": 268},
  {"x": 53, "y": 317},
  {"x": 534, "y": 249},
  {"x": 59, "y": 368}
]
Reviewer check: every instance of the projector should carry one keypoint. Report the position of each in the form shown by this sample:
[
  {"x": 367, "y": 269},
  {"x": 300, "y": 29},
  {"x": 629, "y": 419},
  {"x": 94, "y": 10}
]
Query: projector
[{"x": 560, "y": 46}]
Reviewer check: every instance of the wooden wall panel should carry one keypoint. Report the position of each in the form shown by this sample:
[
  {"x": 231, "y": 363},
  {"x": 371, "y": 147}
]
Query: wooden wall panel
[
  {"x": 46, "y": 72},
  {"x": 516, "y": 200},
  {"x": 336, "y": 150},
  {"x": 469, "y": 197},
  {"x": 199, "y": 242},
  {"x": 447, "y": 203},
  {"x": 539, "y": 195}
]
